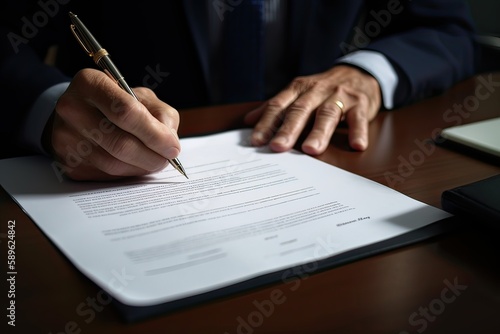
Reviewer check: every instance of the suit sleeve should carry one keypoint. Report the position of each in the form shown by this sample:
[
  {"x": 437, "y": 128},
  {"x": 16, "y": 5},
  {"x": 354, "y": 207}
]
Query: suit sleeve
[
  {"x": 27, "y": 31},
  {"x": 430, "y": 43}
]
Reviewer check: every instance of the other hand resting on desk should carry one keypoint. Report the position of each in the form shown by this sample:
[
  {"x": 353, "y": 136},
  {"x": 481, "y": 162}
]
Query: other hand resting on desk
[{"x": 281, "y": 120}]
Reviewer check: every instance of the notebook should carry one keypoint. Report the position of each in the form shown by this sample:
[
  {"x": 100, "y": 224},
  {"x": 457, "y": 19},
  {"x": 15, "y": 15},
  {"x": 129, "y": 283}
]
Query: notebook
[{"x": 483, "y": 136}]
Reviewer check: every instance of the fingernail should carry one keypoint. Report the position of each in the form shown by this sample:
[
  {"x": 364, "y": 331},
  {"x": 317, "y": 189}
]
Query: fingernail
[
  {"x": 359, "y": 144},
  {"x": 281, "y": 141},
  {"x": 258, "y": 138},
  {"x": 172, "y": 152},
  {"x": 313, "y": 143}
]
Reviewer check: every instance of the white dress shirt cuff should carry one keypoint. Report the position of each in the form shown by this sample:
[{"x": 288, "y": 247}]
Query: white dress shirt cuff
[
  {"x": 380, "y": 68},
  {"x": 39, "y": 114}
]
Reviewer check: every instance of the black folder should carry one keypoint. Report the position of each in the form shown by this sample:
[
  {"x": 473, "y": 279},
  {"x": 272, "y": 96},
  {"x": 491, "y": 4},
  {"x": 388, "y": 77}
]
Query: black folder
[
  {"x": 132, "y": 314},
  {"x": 479, "y": 200}
]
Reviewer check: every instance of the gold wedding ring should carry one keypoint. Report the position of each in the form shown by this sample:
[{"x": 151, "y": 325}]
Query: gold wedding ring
[{"x": 340, "y": 105}]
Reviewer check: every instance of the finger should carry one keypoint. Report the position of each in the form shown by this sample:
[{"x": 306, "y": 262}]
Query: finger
[
  {"x": 296, "y": 117},
  {"x": 159, "y": 109},
  {"x": 358, "y": 122},
  {"x": 94, "y": 130},
  {"x": 129, "y": 114},
  {"x": 328, "y": 116},
  {"x": 134, "y": 118},
  {"x": 274, "y": 110},
  {"x": 85, "y": 161},
  {"x": 360, "y": 118},
  {"x": 271, "y": 117}
]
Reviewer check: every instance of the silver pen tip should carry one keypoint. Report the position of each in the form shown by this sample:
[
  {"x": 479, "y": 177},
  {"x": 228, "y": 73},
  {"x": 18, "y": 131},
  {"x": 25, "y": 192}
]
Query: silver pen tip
[
  {"x": 183, "y": 172},
  {"x": 177, "y": 165}
]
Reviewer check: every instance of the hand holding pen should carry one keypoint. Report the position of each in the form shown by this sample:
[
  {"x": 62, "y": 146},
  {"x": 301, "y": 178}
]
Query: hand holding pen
[{"x": 104, "y": 130}]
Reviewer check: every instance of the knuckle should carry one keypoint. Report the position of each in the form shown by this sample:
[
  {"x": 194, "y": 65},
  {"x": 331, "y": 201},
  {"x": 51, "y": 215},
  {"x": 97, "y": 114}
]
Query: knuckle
[
  {"x": 119, "y": 146},
  {"x": 145, "y": 92},
  {"x": 171, "y": 116},
  {"x": 340, "y": 89},
  {"x": 275, "y": 105},
  {"x": 299, "y": 83},
  {"x": 113, "y": 167},
  {"x": 275, "y": 113},
  {"x": 329, "y": 111},
  {"x": 299, "y": 107},
  {"x": 90, "y": 78},
  {"x": 82, "y": 76},
  {"x": 121, "y": 111}
]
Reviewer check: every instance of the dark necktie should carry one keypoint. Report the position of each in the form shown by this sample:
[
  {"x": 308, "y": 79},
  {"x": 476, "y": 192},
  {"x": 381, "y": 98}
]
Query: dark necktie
[{"x": 242, "y": 52}]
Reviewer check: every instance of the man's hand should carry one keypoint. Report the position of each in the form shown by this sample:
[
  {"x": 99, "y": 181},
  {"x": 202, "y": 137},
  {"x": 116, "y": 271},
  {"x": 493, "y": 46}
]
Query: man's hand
[
  {"x": 101, "y": 132},
  {"x": 341, "y": 93}
]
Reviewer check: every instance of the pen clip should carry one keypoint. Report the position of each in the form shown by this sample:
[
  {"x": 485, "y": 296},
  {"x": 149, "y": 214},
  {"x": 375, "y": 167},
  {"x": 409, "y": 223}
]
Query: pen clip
[
  {"x": 80, "y": 40},
  {"x": 97, "y": 56}
]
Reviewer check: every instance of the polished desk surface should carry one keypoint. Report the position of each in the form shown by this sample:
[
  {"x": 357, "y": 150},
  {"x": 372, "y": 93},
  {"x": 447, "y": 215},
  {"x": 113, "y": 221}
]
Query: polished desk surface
[{"x": 447, "y": 284}]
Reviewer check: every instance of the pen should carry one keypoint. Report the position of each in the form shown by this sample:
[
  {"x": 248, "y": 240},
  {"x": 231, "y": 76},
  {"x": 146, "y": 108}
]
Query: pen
[{"x": 101, "y": 58}]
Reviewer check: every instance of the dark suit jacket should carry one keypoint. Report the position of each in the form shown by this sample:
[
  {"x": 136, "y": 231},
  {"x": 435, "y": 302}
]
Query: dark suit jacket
[{"x": 428, "y": 42}]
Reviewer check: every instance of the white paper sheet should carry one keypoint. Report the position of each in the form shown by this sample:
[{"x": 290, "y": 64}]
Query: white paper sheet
[{"x": 244, "y": 212}]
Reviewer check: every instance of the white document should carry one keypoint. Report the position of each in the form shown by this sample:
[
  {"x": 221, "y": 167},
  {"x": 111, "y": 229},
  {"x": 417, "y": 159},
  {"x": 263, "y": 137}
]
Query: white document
[{"x": 244, "y": 212}]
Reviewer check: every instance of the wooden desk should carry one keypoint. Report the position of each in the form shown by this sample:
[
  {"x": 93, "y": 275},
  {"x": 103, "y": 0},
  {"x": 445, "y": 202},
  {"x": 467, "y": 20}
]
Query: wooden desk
[{"x": 449, "y": 284}]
